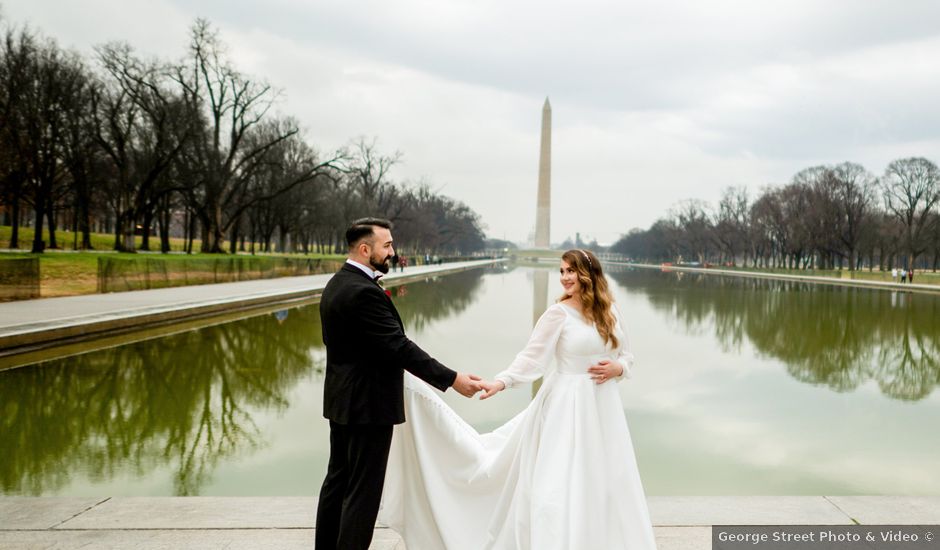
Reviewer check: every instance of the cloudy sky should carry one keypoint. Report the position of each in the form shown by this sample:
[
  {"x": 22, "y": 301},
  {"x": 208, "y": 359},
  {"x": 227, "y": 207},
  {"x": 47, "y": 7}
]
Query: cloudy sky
[{"x": 653, "y": 102}]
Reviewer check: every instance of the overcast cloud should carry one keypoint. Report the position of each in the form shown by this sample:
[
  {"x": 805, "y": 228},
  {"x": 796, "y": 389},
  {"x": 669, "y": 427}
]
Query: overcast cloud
[{"x": 653, "y": 102}]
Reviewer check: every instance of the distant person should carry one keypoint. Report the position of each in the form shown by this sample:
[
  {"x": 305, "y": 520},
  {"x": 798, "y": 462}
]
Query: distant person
[
  {"x": 903, "y": 275},
  {"x": 402, "y": 263},
  {"x": 894, "y": 275},
  {"x": 910, "y": 275},
  {"x": 395, "y": 260}
]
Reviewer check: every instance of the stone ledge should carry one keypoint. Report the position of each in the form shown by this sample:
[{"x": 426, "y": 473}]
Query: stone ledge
[{"x": 680, "y": 523}]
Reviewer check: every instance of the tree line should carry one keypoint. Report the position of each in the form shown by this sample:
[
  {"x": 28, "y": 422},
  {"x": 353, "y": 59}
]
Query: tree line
[
  {"x": 826, "y": 217},
  {"x": 137, "y": 145}
]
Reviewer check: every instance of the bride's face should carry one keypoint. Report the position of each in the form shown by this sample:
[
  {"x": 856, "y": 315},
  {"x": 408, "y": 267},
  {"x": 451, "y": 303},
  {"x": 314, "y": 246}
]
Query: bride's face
[{"x": 569, "y": 279}]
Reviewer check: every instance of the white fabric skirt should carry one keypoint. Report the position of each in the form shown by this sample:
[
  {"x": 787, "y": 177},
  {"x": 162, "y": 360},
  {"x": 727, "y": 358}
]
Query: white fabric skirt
[{"x": 560, "y": 475}]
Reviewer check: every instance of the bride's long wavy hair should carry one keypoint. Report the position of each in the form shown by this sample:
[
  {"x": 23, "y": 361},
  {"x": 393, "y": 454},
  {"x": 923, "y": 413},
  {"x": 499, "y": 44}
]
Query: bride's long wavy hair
[{"x": 596, "y": 300}]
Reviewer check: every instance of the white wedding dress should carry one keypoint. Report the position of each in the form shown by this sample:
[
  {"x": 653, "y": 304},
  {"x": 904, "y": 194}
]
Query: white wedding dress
[{"x": 559, "y": 475}]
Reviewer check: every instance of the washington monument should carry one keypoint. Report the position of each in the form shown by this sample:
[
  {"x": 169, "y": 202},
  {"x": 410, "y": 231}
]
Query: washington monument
[{"x": 543, "y": 213}]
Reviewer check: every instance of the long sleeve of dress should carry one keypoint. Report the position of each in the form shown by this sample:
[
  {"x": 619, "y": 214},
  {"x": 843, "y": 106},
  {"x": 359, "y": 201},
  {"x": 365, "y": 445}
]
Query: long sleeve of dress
[
  {"x": 624, "y": 353},
  {"x": 533, "y": 360}
]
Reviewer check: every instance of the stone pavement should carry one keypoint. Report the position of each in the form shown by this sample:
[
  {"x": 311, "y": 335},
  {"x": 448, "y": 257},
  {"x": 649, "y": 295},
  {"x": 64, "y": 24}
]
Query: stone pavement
[
  {"x": 680, "y": 523},
  {"x": 27, "y": 326}
]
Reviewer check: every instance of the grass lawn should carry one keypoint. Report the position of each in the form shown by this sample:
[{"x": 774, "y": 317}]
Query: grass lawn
[
  {"x": 66, "y": 240},
  {"x": 68, "y": 272}
]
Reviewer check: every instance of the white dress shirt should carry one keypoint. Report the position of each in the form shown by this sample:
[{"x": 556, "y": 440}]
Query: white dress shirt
[{"x": 365, "y": 269}]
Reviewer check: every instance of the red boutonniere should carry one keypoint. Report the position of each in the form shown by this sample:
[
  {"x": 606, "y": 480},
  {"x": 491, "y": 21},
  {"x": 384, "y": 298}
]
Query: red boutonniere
[{"x": 388, "y": 293}]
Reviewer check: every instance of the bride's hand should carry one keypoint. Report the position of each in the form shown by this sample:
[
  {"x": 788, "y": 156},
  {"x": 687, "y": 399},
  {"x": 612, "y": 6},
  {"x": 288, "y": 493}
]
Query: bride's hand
[
  {"x": 491, "y": 388},
  {"x": 604, "y": 370}
]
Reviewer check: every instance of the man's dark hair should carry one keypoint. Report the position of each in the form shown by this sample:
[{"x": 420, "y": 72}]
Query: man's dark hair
[{"x": 364, "y": 227}]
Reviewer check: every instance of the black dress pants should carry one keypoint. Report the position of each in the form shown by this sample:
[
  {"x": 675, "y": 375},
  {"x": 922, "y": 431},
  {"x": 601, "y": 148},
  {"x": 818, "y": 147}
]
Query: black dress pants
[{"x": 352, "y": 489}]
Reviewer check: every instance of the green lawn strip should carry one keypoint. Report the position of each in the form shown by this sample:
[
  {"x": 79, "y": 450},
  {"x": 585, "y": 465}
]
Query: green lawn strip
[
  {"x": 71, "y": 273},
  {"x": 66, "y": 240},
  {"x": 103, "y": 242}
]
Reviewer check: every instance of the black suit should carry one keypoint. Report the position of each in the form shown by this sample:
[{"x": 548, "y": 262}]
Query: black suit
[{"x": 366, "y": 355}]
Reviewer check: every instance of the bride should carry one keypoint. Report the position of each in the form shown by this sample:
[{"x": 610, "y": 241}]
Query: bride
[{"x": 559, "y": 475}]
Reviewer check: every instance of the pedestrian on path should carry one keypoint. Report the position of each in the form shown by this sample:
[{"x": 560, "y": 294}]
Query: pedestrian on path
[
  {"x": 910, "y": 276},
  {"x": 903, "y": 275},
  {"x": 894, "y": 275}
]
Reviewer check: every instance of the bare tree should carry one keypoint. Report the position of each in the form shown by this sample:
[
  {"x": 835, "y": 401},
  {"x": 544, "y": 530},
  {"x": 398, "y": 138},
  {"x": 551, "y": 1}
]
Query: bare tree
[
  {"x": 53, "y": 78},
  {"x": 142, "y": 126},
  {"x": 855, "y": 192},
  {"x": 16, "y": 72},
  {"x": 232, "y": 146},
  {"x": 693, "y": 219},
  {"x": 84, "y": 160},
  {"x": 911, "y": 189},
  {"x": 368, "y": 171},
  {"x": 731, "y": 224},
  {"x": 138, "y": 140}
]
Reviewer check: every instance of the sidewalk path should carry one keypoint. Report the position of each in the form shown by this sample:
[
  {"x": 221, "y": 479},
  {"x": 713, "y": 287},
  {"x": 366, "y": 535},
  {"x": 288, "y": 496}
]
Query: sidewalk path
[
  {"x": 30, "y": 325},
  {"x": 680, "y": 523},
  {"x": 883, "y": 285}
]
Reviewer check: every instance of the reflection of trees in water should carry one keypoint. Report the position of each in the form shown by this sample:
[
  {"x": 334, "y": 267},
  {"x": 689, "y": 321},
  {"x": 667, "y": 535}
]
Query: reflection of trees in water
[
  {"x": 183, "y": 401},
  {"x": 832, "y": 335},
  {"x": 439, "y": 298}
]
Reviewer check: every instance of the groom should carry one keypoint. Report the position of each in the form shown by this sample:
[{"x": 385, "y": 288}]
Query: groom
[{"x": 366, "y": 352}]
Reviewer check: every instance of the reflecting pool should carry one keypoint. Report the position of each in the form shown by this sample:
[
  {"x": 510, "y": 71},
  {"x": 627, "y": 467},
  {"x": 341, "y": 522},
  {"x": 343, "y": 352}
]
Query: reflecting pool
[{"x": 742, "y": 386}]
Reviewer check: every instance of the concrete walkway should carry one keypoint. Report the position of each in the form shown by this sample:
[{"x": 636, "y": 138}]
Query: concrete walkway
[
  {"x": 681, "y": 523},
  {"x": 883, "y": 285},
  {"x": 28, "y": 325}
]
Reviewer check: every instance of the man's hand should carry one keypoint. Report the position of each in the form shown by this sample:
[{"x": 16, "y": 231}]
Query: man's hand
[
  {"x": 491, "y": 388},
  {"x": 604, "y": 370},
  {"x": 467, "y": 384}
]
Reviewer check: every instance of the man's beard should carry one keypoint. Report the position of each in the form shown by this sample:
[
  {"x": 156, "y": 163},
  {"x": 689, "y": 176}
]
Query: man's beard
[{"x": 376, "y": 265}]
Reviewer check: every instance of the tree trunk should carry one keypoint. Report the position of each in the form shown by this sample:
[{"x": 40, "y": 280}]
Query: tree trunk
[
  {"x": 186, "y": 231},
  {"x": 84, "y": 223},
  {"x": 163, "y": 224},
  {"x": 75, "y": 227},
  {"x": 148, "y": 222},
  {"x": 233, "y": 239},
  {"x": 192, "y": 221},
  {"x": 205, "y": 228},
  {"x": 282, "y": 240},
  {"x": 38, "y": 244},
  {"x": 118, "y": 234},
  {"x": 50, "y": 219},
  {"x": 128, "y": 227},
  {"x": 216, "y": 236},
  {"x": 15, "y": 232},
  {"x": 252, "y": 237}
]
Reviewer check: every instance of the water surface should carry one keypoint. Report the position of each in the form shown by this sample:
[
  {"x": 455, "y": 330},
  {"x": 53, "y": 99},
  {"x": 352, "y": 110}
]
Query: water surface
[{"x": 742, "y": 386}]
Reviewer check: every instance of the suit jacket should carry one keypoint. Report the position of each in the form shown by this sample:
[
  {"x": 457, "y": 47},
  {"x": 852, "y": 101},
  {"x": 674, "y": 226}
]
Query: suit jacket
[{"x": 367, "y": 352}]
